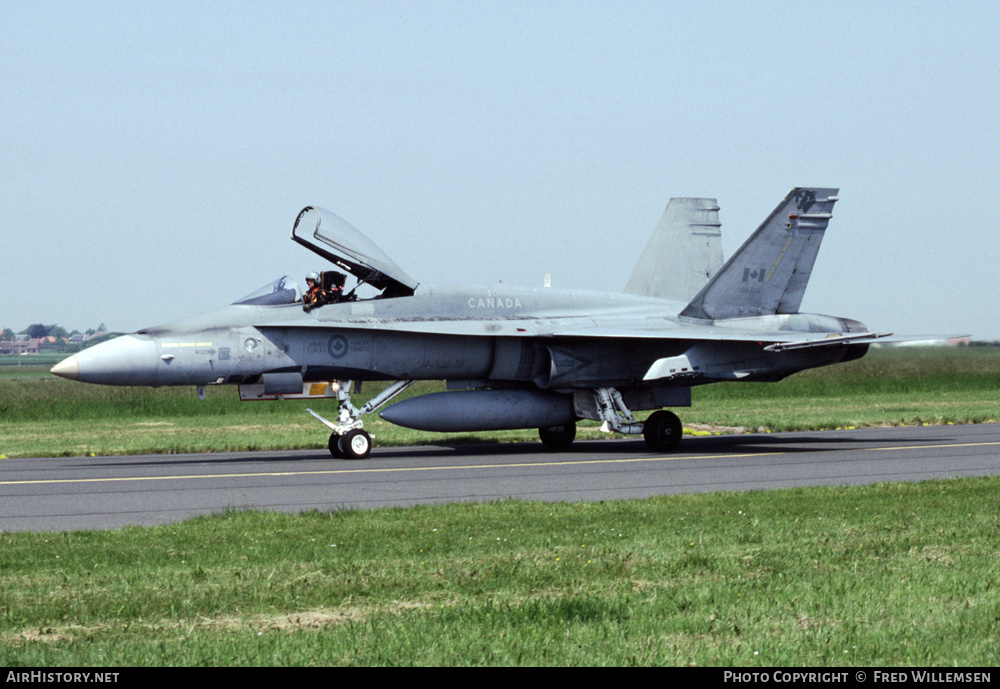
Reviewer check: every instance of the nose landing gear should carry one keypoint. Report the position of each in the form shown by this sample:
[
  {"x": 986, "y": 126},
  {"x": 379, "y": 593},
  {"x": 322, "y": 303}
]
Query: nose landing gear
[
  {"x": 349, "y": 440},
  {"x": 355, "y": 444}
]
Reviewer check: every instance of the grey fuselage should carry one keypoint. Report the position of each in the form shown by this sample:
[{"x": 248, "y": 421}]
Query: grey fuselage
[{"x": 543, "y": 338}]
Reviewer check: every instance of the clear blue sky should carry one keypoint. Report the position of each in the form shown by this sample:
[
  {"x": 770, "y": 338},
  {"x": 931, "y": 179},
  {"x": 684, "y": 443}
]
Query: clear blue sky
[{"x": 155, "y": 154}]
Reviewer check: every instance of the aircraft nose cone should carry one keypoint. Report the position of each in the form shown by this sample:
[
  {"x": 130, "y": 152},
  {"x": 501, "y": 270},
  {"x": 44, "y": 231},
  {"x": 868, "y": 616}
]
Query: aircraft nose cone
[
  {"x": 67, "y": 368},
  {"x": 125, "y": 360}
]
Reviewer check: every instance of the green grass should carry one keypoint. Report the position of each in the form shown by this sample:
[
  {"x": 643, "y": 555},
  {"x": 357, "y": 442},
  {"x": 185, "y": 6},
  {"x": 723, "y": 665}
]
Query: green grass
[
  {"x": 50, "y": 416},
  {"x": 10, "y": 364},
  {"x": 890, "y": 386},
  {"x": 871, "y": 576}
]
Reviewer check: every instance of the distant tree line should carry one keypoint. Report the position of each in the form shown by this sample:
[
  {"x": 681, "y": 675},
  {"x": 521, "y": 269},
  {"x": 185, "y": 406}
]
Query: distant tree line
[
  {"x": 38, "y": 330},
  {"x": 65, "y": 340}
]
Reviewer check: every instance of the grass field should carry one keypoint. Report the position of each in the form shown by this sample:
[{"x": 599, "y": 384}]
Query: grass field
[
  {"x": 866, "y": 576},
  {"x": 884, "y": 575}
]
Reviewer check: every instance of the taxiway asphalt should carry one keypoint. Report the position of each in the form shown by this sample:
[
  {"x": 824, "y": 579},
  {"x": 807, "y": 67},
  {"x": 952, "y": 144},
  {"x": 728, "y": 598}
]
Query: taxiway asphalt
[{"x": 67, "y": 493}]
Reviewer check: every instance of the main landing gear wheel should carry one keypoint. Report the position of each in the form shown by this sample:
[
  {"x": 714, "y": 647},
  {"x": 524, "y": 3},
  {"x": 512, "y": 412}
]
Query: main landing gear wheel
[
  {"x": 662, "y": 431},
  {"x": 356, "y": 444},
  {"x": 558, "y": 437}
]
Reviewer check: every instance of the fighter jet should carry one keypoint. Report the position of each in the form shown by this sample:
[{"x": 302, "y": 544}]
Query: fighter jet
[{"x": 540, "y": 358}]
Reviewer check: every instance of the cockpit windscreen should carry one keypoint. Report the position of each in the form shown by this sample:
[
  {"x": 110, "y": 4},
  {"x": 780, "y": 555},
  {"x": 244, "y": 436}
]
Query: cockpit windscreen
[{"x": 284, "y": 290}]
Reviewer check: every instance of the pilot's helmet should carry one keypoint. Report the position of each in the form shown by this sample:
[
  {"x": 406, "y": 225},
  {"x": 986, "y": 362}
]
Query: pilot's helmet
[{"x": 314, "y": 276}]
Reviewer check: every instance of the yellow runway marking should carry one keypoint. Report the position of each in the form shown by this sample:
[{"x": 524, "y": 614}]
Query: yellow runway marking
[
  {"x": 924, "y": 447},
  {"x": 327, "y": 472},
  {"x": 582, "y": 462}
]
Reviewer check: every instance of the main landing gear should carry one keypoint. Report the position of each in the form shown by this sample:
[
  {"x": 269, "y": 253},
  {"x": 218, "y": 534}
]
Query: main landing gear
[
  {"x": 662, "y": 431},
  {"x": 349, "y": 440},
  {"x": 558, "y": 437}
]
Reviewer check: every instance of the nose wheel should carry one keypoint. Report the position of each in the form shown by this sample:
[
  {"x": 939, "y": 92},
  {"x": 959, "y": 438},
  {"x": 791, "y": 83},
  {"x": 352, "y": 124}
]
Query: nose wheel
[{"x": 356, "y": 444}]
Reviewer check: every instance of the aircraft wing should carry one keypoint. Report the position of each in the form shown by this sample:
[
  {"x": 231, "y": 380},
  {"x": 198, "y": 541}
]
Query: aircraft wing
[
  {"x": 592, "y": 327},
  {"x": 666, "y": 328},
  {"x": 781, "y": 340}
]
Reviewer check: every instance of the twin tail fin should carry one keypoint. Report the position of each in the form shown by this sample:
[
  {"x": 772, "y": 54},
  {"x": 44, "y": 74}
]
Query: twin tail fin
[{"x": 769, "y": 273}]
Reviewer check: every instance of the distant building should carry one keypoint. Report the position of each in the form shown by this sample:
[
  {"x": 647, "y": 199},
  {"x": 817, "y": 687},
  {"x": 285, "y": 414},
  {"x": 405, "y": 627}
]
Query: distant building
[
  {"x": 51, "y": 343},
  {"x": 21, "y": 344}
]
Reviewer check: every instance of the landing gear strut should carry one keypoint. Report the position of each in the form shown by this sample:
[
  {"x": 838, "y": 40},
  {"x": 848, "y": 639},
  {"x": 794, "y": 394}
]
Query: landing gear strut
[
  {"x": 349, "y": 440},
  {"x": 662, "y": 431}
]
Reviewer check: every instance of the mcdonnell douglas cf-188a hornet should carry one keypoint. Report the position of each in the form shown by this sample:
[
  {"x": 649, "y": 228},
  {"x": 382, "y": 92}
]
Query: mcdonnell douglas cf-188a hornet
[{"x": 512, "y": 357}]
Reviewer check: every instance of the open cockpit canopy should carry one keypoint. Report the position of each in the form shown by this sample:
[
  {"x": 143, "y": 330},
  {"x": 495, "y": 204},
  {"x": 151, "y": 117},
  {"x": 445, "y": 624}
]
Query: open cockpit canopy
[{"x": 327, "y": 234}]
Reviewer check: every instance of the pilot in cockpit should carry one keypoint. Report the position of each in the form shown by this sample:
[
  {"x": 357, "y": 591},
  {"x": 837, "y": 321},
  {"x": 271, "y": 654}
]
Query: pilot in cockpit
[
  {"x": 314, "y": 296},
  {"x": 325, "y": 289}
]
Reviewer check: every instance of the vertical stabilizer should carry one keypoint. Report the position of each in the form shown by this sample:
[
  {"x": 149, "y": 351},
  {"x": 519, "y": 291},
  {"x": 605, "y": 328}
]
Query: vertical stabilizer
[
  {"x": 683, "y": 253},
  {"x": 769, "y": 273}
]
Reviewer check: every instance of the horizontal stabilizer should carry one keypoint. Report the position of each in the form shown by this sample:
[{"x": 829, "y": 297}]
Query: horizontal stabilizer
[
  {"x": 828, "y": 341},
  {"x": 865, "y": 338}
]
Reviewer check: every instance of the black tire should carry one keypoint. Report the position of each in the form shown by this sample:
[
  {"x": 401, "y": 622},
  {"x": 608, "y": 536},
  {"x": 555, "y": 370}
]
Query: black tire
[
  {"x": 662, "y": 431},
  {"x": 558, "y": 437},
  {"x": 334, "y": 446},
  {"x": 356, "y": 444}
]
